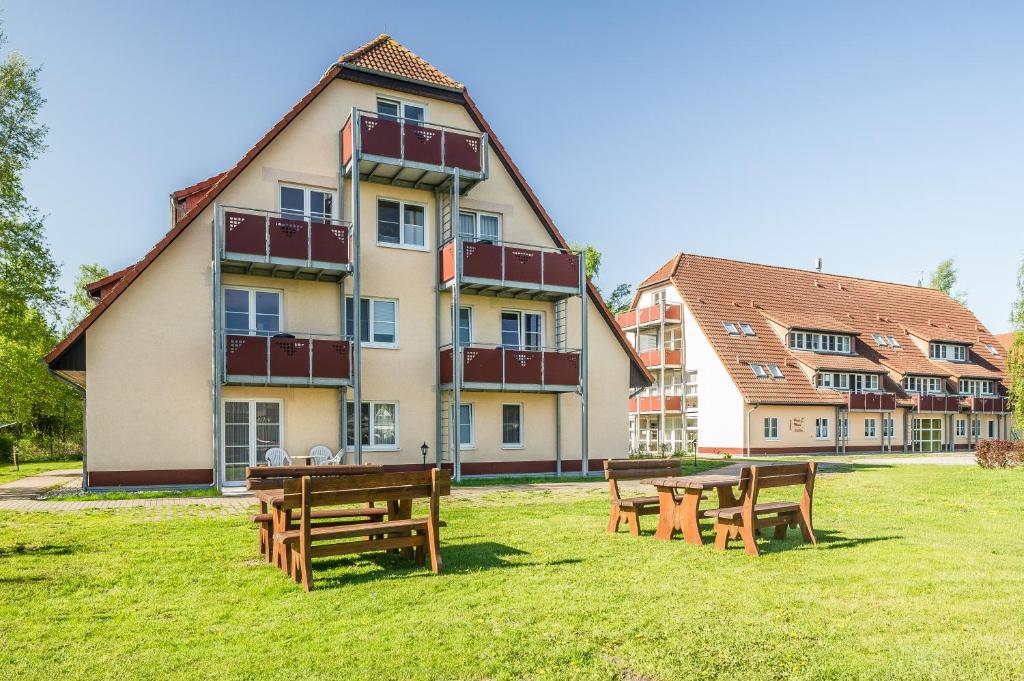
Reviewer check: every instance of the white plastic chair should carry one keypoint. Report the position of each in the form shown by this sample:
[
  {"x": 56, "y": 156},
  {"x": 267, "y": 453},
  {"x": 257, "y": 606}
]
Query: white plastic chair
[
  {"x": 320, "y": 455},
  {"x": 277, "y": 457},
  {"x": 337, "y": 459}
]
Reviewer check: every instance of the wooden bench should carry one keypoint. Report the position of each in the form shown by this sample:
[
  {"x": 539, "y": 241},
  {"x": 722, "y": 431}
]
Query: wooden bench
[
  {"x": 634, "y": 469},
  {"x": 399, "y": 531},
  {"x": 272, "y": 478},
  {"x": 745, "y": 520}
]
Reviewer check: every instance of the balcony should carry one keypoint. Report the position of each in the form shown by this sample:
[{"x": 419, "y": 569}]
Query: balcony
[
  {"x": 652, "y": 358},
  {"x": 509, "y": 270},
  {"x": 651, "y": 404},
  {"x": 648, "y": 316},
  {"x": 410, "y": 153},
  {"x": 268, "y": 243},
  {"x": 988, "y": 405},
  {"x": 510, "y": 369},
  {"x": 870, "y": 401},
  {"x": 942, "y": 404},
  {"x": 287, "y": 360}
]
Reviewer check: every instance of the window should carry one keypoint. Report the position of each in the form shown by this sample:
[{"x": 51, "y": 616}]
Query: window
[
  {"x": 747, "y": 329},
  {"x": 923, "y": 384},
  {"x": 976, "y": 428},
  {"x": 731, "y": 328},
  {"x": 865, "y": 383},
  {"x": 844, "y": 428},
  {"x": 393, "y": 108},
  {"x": 759, "y": 371},
  {"x": 971, "y": 386},
  {"x": 252, "y": 312},
  {"x": 893, "y": 342},
  {"x": 889, "y": 427},
  {"x": 465, "y": 326},
  {"x": 948, "y": 351},
  {"x": 657, "y": 298},
  {"x": 401, "y": 224},
  {"x": 479, "y": 226},
  {"x": 378, "y": 425},
  {"x": 992, "y": 349},
  {"x": 834, "y": 381},
  {"x": 467, "y": 430},
  {"x": 821, "y": 428},
  {"x": 879, "y": 340},
  {"x": 870, "y": 427},
  {"x": 819, "y": 342},
  {"x": 961, "y": 428},
  {"x": 522, "y": 330},
  {"x": 771, "y": 428},
  {"x": 993, "y": 429},
  {"x": 775, "y": 371},
  {"x": 306, "y": 202},
  {"x": 379, "y": 321},
  {"x": 251, "y": 427},
  {"x": 511, "y": 425}
]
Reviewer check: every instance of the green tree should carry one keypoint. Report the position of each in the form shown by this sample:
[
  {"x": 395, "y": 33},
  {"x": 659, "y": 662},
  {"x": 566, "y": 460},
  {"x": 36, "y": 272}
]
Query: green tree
[
  {"x": 944, "y": 279},
  {"x": 81, "y": 303},
  {"x": 621, "y": 296},
  {"x": 1015, "y": 358},
  {"x": 591, "y": 258},
  {"x": 620, "y": 299}
]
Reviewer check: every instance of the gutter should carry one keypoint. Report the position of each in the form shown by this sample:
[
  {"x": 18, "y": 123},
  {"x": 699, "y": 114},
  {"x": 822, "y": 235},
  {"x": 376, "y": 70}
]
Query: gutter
[{"x": 750, "y": 412}]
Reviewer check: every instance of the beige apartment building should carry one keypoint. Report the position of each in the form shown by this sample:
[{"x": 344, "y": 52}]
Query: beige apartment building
[
  {"x": 757, "y": 359},
  {"x": 383, "y": 206}
]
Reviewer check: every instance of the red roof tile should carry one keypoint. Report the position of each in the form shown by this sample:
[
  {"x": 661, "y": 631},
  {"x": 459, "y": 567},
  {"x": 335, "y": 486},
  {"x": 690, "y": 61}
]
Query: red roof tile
[{"x": 385, "y": 55}]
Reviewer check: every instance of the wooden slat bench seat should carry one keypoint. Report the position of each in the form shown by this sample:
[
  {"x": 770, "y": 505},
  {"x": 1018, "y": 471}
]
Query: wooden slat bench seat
[
  {"x": 631, "y": 509},
  {"x": 357, "y": 530},
  {"x": 745, "y": 520}
]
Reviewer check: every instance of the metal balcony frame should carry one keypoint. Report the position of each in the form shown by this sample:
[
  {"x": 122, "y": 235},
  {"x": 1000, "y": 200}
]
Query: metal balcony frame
[
  {"x": 504, "y": 385},
  {"x": 268, "y": 379}
]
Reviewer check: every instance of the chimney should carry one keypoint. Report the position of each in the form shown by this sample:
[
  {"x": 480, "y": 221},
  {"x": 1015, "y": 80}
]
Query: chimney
[{"x": 817, "y": 264}]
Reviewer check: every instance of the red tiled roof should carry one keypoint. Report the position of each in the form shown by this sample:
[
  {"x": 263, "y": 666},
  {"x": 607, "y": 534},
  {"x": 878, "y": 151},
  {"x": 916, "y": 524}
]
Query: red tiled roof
[
  {"x": 385, "y": 55},
  {"x": 717, "y": 290},
  {"x": 1005, "y": 340},
  {"x": 809, "y": 320}
]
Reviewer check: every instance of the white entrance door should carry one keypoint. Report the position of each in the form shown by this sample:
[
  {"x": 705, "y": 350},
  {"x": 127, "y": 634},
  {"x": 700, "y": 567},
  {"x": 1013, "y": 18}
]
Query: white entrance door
[{"x": 251, "y": 427}]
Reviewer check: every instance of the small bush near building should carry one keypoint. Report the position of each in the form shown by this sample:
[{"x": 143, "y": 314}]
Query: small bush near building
[{"x": 999, "y": 453}]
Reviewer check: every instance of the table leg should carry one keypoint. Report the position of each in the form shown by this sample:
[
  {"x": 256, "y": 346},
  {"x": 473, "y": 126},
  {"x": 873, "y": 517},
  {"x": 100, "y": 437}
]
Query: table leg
[
  {"x": 666, "y": 513},
  {"x": 688, "y": 514},
  {"x": 726, "y": 499}
]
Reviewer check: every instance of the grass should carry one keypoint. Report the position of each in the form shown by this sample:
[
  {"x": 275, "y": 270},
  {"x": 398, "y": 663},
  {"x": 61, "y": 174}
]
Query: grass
[
  {"x": 919, "y": 574},
  {"x": 687, "y": 465},
  {"x": 146, "y": 494},
  {"x": 8, "y": 474}
]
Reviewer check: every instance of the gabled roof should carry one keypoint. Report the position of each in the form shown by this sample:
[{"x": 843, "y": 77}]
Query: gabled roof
[
  {"x": 1005, "y": 340},
  {"x": 400, "y": 62},
  {"x": 717, "y": 290},
  {"x": 385, "y": 55}
]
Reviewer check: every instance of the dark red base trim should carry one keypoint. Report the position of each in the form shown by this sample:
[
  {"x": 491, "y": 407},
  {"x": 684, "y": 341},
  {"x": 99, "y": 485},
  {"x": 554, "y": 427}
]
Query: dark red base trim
[
  {"x": 507, "y": 467},
  {"x": 180, "y": 476}
]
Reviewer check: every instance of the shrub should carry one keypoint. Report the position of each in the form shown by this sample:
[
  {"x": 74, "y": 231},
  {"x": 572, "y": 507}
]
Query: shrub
[{"x": 999, "y": 453}]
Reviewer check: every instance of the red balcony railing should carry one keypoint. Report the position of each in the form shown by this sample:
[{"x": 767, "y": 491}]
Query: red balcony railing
[
  {"x": 652, "y": 403},
  {"x": 988, "y": 405},
  {"x": 287, "y": 359},
  {"x": 644, "y": 316},
  {"x": 652, "y": 358},
  {"x": 500, "y": 368},
  {"x": 405, "y": 141},
  {"x": 946, "y": 404},
  {"x": 870, "y": 401},
  {"x": 269, "y": 236},
  {"x": 508, "y": 265}
]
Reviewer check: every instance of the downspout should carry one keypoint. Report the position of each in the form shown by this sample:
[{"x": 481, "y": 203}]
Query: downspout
[
  {"x": 81, "y": 391},
  {"x": 750, "y": 412}
]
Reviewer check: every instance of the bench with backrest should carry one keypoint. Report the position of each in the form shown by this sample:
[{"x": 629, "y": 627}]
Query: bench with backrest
[
  {"x": 745, "y": 520},
  {"x": 399, "y": 531},
  {"x": 630, "y": 510},
  {"x": 272, "y": 478}
]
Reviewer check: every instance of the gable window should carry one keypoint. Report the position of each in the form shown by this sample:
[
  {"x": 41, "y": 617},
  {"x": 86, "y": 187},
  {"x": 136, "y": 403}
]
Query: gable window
[
  {"x": 948, "y": 351},
  {"x": 731, "y": 328},
  {"x": 522, "y": 330},
  {"x": 475, "y": 226},
  {"x": 771, "y": 428},
  {"x": 379, "y": 321},
  {"x": 775, "y": 371},
  {"x": 306, "y": 202},
  {"x": 378, "y": 425},
  {"x": 747, "y": 329},
  {"x": 511, "y": 426},
  {"x": 391, "y": 109},
  {"x": 400, "y": 223},
  {"x": 657, "y": 298},
  {"x": 870, "y": 427},
  {"x": 821, "y": 428},
  {"x": 758, "y": 370},
  {"x": 253, "y": 312},
  {"x": 961, "y": 428}
]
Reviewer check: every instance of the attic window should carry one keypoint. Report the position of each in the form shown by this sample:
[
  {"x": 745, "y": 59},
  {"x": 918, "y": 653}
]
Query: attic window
[
  {"x": 775, "y": 371},
  {"x": 731, "y": 328},
  {"x": 748, "y": 330},
  {"x": 880, "y": 339},
  {"x": 759, "y": 371},
  {"x": 893, "y": 342},
  {"x": 992, "y": 349}
]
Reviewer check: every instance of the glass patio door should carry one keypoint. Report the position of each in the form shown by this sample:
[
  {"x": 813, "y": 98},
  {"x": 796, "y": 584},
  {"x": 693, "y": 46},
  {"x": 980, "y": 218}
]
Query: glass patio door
[
  {"x": 927, "y": 435},
  {"x": 251, "y": 427}
]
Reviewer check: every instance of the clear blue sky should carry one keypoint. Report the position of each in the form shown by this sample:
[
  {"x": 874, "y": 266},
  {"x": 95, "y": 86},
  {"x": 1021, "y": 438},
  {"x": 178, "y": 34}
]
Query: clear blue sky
[{"x": 882, "y": 138}]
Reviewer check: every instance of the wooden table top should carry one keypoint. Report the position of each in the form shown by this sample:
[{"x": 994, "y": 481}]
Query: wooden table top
[{"x": 699, "y": 482}]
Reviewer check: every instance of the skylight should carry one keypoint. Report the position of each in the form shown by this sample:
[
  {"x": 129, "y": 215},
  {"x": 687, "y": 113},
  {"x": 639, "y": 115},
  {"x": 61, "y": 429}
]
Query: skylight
[
  {"x": 748, "y": 330},
  {"x": 731, "y": 328},
  {"x": 992, "y": 349},
  {"x": 758, "y": 371},
  {"x": 893, "y": 342},
  {"x": 775, "y": 371},
  {"x": 880, "y": 339}
]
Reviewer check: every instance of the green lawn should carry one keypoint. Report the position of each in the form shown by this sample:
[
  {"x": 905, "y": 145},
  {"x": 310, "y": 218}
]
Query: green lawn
[
  {"x": 687, "y": 467},
  {"x": 8, "y": 474},
  {"x": 117, "y": 495},
  {"x": 919, "y": 574}
]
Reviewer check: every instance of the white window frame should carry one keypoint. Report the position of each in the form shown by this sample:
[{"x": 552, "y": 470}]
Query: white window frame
[
  {"x": 961, "y": 427},
  {"x": 521, "y": 345},
  {"x": 977, "y": 387},
  {"x": 731, "y": 328},
  {"x": 992, "y": 349},
  {"x": 758, "y": 370},
  {"x": 893, "y": 342},
  {"x": 880, "y": 340},
  {"x": 950, "y": 352},
  {"x": 306, "y": 189},
  {"x": 252, "y": 291},
  {"x": 870, "y": 427},
  {"x": 370, "y": 343},
  {"x": 463, "y": 446},
  {"x": 821, "y": 428},
  {"x": 477, "y": 236},
  {"x": 252, "y": 430},
  {"x": 771, "y": 427},
  {"x": 458, "y": 324},
  {"x": 747, "y": 329},
  {"x": 357, "y": 426},
  {"x": 843, "y": 426},
  {"x": 402, "y": 103},
  {"x": 993, "y": 429},
  {"x": 402, "y": 203},
  {"x": 888, "y": 426},
  {"x": 776, "y": 372},
  {"x": 522, "y": 426},
  {"x": 819, "y": 342}
]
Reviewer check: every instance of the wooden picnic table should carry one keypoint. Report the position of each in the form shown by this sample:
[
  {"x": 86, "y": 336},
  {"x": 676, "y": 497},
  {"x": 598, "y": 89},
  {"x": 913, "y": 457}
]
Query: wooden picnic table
[{"x": 683, "y": 516}]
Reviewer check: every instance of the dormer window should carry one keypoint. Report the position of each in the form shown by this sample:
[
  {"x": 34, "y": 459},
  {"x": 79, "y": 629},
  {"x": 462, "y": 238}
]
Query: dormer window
[
  {"x": 972, "y": 386},
  {"x": 819, "y": 342},
  {"x": 859, "y": 383},
  {"x": 923, "y": 384},
  {"x": 948, "y": 351},
  {"x": 731, "y": 328},
  {"x": 759, "y": 371},
  {"x": 747, "y": 329}
]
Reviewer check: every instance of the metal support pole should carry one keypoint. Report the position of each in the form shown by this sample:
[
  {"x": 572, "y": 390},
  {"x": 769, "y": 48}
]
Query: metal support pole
[
  {"x": 357, "y": 307},
  {"x": 453, "y": 421},
  {"x": 664, "y": 395},
  {"x": 343, "y": 390},
  {"x": 218, "y": 348},
  {"x": 558, "y": 434},
  {"x": 584, "y": 351},
  {"x": 438, "y": 397}
]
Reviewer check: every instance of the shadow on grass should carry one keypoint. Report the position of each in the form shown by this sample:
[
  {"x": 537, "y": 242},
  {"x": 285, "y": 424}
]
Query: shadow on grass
[
  {"x": 38, "y": 550},
  {"x": 827, "y": 540}
]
